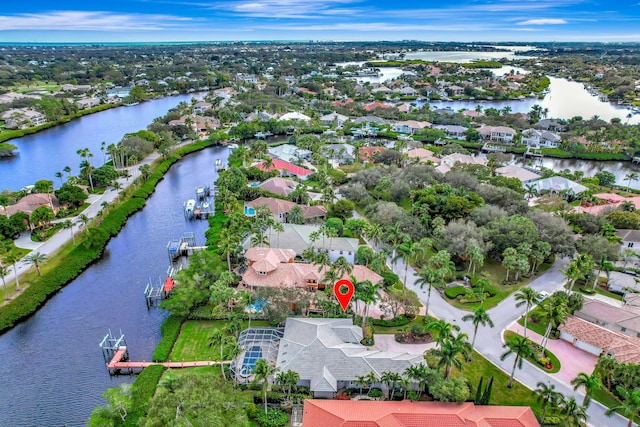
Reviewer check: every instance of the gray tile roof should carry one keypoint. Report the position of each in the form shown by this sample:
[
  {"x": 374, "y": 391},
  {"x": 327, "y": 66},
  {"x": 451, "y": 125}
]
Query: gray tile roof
[{"x": 325, "y": 351}]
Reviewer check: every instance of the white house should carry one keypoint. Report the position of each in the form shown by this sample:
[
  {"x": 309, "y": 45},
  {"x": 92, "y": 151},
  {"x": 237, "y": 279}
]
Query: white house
[
  {"x": 540, "y": 138},
  {"x": 330, "y": 119}
]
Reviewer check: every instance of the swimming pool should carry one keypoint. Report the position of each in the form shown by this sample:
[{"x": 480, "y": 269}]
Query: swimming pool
[
  {"x": 249, "y": 211},
  {"x": 251, "y": 356},
  {"x": 257, "y": 306}
]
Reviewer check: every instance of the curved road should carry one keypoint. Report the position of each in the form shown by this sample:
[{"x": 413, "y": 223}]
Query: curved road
[{"x": 489, "y": 342}]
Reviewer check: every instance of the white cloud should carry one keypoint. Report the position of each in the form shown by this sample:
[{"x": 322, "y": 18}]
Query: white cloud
[
  {"x": 291, "y": 9},
  {"x": 87, "y": 21},
  {"x": 543, "y": 21}
]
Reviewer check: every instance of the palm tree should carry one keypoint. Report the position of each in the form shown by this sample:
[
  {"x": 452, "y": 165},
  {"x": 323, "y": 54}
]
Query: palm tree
[
  {"x": 13, "y": 258},
  {"x": 607, "y": 365},
  {"x": 520, "y": 347},
  {"x": 59, "y": 175},
  {"x": 369, "y": 295},
  {"x": 630, "y": 404},
  {"x": 546, "y": 394},
  {"x": 631, "y": 176},
  {"x": 572, "y": 273},
  {"x": 83, "y": 220},
  {"x": 219, "y": 338},
  {"x": 449, "y": 351},
  {"x": 35, "y": 259},
  {"x": 478, "y": 317},
  {"x": 425, "y": 277},
  {"x": 390, "y": 379},
  {"x": 228, "y": 245},
  {"x": 361, "y": 381},
  {"x": 526, "y": 296},
  {"x": 575, "y": 414},
  {"x": 342, "y": 267},
  {"x": 259, "y": 239},
  {"x": 3, "y": 272},
  {"x": 475, "y": 257},
  {"x": 530, "y": 190},
  {"x": 419, "y": 374},
  {"x": 603, "y": 265},
  {"x": 394, "y": 236},
  {"x": 555, "y": 312},
  {"x": 443, "y": 328},
  {"x": 374, "y": 233},
  {"x": 590, "y": 383},
  {"x": 262, "y": 371},
  {"x": 410, "y": 252}
]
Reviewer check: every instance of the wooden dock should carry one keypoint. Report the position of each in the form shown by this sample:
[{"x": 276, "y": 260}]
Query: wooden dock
[{"x": 121, "y": 365}]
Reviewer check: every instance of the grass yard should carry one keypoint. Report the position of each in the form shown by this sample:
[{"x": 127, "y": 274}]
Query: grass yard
[
  {"x": 518, "y": 395},
  {"x": 539, "y": 328},
  {"x": 193, "y": 342},
  {"x": 510, "y": 336},
  {"x": 38, "y": 86},
  {"x": 389, "y": 330},
  {"x": 494, "y": 271}
]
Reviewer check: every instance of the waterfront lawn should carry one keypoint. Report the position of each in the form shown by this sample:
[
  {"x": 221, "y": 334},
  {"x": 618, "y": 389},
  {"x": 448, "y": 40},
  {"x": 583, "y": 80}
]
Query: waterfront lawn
[{"x": 193, "y": 342}]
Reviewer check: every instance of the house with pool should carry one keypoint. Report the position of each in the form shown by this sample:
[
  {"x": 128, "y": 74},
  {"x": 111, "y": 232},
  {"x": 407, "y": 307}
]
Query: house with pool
[{"x": 326, "y": 353}]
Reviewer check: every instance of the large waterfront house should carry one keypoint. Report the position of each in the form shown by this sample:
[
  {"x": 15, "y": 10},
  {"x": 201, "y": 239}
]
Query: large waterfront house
[
  {"x": 501, "y": 134},
  {"x": 280, "y": 209},
  {"x": 269, "y": 267},
  {"x": 300, "y": 237},
  {"x": 284, "y": 168},
  {"x": 325, "y": 352}
]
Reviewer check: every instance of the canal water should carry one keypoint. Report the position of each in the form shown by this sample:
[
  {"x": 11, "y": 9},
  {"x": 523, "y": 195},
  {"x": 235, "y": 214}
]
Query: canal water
[
  {"x": 51, "y": 370},
  {"x": 43, "y": 154}
]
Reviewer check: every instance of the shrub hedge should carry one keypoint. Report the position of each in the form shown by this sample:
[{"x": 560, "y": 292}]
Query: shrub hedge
[
  {"x": 400, "y": 320},
  {"x": 142, "y": 391},
  {"x": 170, "y": 330},
  {"x": 454, "y": 291}
]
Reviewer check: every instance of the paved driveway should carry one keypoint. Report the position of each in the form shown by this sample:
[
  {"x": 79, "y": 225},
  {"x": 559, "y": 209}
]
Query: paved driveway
[
  {"x": 572, "y": 359},
  {"x": 387, "y": 342}
]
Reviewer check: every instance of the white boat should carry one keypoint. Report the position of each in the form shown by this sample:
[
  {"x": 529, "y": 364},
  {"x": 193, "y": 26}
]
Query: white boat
[
  {"x": 189, "y": 205},
  {"x": 205, "y": 206},
  {"x": 200, "y": 193}
]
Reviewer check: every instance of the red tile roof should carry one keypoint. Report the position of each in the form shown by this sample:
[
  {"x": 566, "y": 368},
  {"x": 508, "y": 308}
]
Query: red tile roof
[
  {"x": 366, "y": 153},
  {"x": 375, "y": 105},
  {"x": 352, "y": 413},
  {"x": 282, "y": 165}
]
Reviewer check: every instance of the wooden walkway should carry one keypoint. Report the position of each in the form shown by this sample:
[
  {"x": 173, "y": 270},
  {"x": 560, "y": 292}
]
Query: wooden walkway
[{"x": 117, "y": 364}]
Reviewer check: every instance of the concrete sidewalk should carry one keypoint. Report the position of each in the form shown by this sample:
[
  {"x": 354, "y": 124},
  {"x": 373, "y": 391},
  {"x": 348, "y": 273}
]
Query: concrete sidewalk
[{"x": 55, "y": 242}]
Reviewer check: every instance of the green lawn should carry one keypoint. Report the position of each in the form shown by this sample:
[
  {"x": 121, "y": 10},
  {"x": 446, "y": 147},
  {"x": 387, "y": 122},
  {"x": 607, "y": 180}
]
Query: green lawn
[
  {"x": 518, "y": 395},
  {"x": 494, "y": 271},
  {"x": 510, "y": 336},
  {"x": 384, "y": 330},
  {"x": 193, "y": 342},
  {"x": 539, "y": 328}
]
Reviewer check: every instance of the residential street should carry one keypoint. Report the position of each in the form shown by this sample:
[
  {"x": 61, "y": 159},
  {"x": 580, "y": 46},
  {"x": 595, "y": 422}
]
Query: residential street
[{"x": 489, "y": 342}]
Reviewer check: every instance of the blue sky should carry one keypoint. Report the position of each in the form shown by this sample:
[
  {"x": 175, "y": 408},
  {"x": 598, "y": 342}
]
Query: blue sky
[{"x": 194, "y": 20}]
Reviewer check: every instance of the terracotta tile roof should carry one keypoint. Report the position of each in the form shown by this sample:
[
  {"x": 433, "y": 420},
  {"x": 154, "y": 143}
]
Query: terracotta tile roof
[
  {"x": 315, "y": 211},
  {"x": 276, "y": 206},
  {"x": 31, "y": 202},
  {"x": 375, "y": 105},
  {"x": 352, "y": 413},
  {"x": 279, "y": 185},
  {"x": 281, "y": 272},
  {"x": 366, "y": 153},
  {"x": 282, "y": 165},
  {"x": 624, "y": 348},
  {"x": 423, "y": 155}
]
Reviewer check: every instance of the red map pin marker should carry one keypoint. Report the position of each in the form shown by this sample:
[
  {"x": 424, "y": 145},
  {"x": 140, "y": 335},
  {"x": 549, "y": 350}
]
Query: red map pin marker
[{"x": 344, "y": 298}]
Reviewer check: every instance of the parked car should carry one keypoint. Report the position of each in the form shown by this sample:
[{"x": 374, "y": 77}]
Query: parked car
[{"x": 543, "y": 295}]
